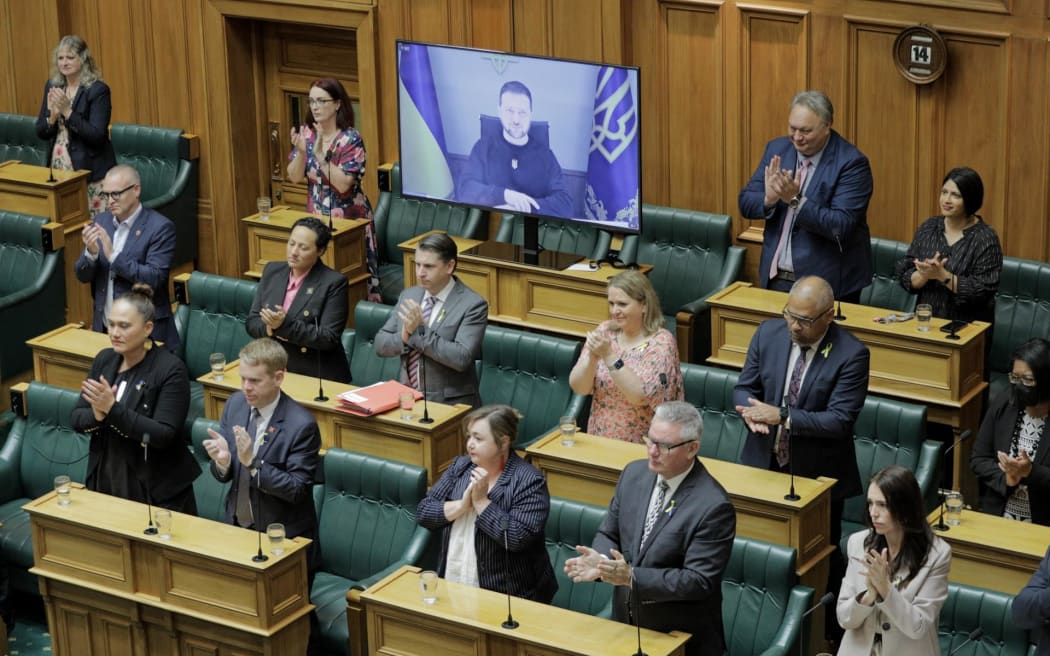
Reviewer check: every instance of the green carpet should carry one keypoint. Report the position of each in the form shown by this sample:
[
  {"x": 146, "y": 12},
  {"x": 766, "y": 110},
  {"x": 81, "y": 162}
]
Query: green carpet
[{"x": 30, "y": 636}]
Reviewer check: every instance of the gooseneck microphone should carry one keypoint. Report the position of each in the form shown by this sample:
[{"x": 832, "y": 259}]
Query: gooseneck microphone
[
  {"x": 331, "y": 194},
  {"x": 425, "y": 419},
  {"x": 320, "y": 398},
  {"x": 510, "y": 623},
  {"x": 940, "y": 525},
  {"x": 151, "y": 529},
  {"x": 634, "y": 605},
  {"x": 260, "y": 526},
  {"x": 826, "y": 600},
  {"x": 838, "y": 304},
  {"x": 973, "y": 635},
  {"x": 790, "y": 496}
]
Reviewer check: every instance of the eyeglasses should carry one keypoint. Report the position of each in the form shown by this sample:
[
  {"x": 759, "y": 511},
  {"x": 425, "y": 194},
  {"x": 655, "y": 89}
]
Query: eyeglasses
[
  {"x": 319, "y": 102},
  {"x": 115, "y": 195},
  {"x": 663, "y": 448},
  {"x": 1027, "y": 381},
  {"x": 805, "y": 322}
]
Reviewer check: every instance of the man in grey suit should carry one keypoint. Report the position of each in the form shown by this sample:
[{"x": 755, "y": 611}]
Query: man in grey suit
[
  {"x": 441, "y": 321},
  {"x": 667, "y": 536}
]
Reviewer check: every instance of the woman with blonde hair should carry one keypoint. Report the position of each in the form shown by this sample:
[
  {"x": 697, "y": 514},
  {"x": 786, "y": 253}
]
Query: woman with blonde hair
[{"x": 629, "y": 364}]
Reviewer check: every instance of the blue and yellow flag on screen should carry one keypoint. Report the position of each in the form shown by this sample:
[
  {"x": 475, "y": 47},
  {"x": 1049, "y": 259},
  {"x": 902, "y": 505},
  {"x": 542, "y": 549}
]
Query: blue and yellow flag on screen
[
  {"x": 422, "y": 138},
  {"x": 612, "y": 166}
]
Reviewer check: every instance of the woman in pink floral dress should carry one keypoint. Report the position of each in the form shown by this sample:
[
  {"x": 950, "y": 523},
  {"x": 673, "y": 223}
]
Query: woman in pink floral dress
[
  {"x": 629, "y": 364},
  {"x": 74, "y": 117},
  {"x": 330, "y": 154}
]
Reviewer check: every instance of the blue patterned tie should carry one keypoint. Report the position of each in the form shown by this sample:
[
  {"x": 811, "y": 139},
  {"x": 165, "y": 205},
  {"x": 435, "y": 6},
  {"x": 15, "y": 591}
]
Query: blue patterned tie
[
  {"x": 654, "y": 511},
  {"x": 783, "y": 438}
]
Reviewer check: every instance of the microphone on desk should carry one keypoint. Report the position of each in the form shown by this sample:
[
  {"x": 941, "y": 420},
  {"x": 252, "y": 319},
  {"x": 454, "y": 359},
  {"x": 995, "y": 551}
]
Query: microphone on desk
[
  {"x": 838, "y": 304},
  {"x": 425, "y": 419},
  {"x": 940, "y": 525},
  {"x": 257, "y": 519},
  {"x": 51, "y": 159},
  {"x": 634, "y": 605},
  {"x": 790, "y": 496},
  {"x": 150, "y": 528},
  {"x": 510, "y": 623},
  {"x": 973, "y": 635},
  {"x": 331, "y": 196},
  {"x": 826, "y": 600},
  {"x": 320, "y": 398}
]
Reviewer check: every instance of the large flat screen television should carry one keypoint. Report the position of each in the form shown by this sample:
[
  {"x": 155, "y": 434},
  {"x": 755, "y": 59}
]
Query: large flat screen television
[{"x": 505, "y": 132}]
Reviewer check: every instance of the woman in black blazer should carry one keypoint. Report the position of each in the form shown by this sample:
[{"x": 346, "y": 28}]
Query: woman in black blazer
[
  {"x": 137, "y": 394},
  {"x": 304, "y": 305},
  {"x": 1011, "y": 457},
  {"x": 74, "y": 117}
]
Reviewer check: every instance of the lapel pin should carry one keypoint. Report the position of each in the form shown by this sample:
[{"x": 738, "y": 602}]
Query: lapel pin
[
  {"x": 306, "y": 313},
  {"x": 309, "y": 290},
  {"x": 138, "y": 233},
  {"x": 826, "y": 350}
]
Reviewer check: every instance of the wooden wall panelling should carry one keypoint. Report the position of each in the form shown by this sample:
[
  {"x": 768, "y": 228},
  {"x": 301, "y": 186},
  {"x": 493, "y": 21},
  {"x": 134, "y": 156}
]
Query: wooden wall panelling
[
  {"x": 29, "y": 30},
  {"x": 489, "y": 24}
]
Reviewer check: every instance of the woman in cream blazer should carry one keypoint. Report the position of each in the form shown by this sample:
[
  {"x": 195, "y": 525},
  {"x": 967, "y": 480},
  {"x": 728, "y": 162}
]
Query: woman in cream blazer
[{"x": 897, "y": 577}]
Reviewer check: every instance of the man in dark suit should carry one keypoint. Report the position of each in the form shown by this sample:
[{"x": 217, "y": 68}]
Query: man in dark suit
[
  {"x": 127, "y": 244},
  {"x": 812, "y": 189},
  {"x": 801, "y": 389},
  {"x": 667, "y": 535},
  {"x": 440, "y": 320},
  {"x": 1031, "y": 607},
  {"x": 268, "y": 447}
]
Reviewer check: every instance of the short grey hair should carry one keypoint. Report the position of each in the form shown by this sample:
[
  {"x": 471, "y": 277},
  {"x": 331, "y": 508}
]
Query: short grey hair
[
  {"x": 684, "y": 415},
  {"x": 816, "y": 102},
  {"x": 125, "y": 171}
]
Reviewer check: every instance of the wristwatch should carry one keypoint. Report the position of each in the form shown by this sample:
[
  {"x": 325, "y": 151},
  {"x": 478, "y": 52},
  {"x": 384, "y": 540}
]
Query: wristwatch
[
  {"x": 795, "y": 202},
  {"x": 618, "y": 364},
  {"x": 784, "y": 413}
]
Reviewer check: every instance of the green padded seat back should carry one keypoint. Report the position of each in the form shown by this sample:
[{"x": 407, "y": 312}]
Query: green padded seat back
[
  {"x": 22, "y": 254},
  {"x": 153, "y": 151},
  {"x": 1022, "y": 311},
  {"x": 214, "y": 319},
  {"x": 562, "y": 236},
  {"x": 368, "y": 512},
  {"x": 51, "y": 447},
  {"x": 890, "y": 432},
  {"x": 687, "y": 249},
  {"x": 757, "y": 591},
  {"x": 572, "y": 523},
  {"x": 18, "y": 140},
  {"x": 711, "y": 390},
  {"x": 365, "y": 366},
  {"x": 530, "y": 372},
  {"x": 208, "y": 491},
  {"x": 399, "y": 219},
  {"x": 967, "y": 608},
  {"x": 885, "y": 290}
]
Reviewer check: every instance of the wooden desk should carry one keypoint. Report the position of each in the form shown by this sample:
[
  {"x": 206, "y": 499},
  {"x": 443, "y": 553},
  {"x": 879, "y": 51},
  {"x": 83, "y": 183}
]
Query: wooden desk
[
  {"x": 994, "y": 552},
  {"x": 107, "y": 585},
  {"x": 466, "y": 620},
  {"x": 570, "y": 303},
  {"x": 267, "y": 242},
  {"x": 945, "y": 375},
  {"x": 24, "y": 188},
  {"x": 63, "y": 356},
  {"x": 432, "y": 446}
]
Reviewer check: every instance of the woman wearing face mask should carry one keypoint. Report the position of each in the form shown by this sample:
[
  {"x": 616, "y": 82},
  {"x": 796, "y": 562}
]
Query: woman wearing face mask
[{"x": 1011, "y": 457}]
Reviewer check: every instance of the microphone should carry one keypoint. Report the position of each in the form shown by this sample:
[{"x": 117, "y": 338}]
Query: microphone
[
  {"x": 826, "y": 600},
  {"x": 51, "y": 151},
  {"x": 635, "y": 606},
  {"x": 973, "y": 635},
  {"x": 838, "y": 311},
  {"x": 320, "y": 398},
  {"x": 151, "y": 529},
  {"x": 510, "y": 623},
  {"x": 260, "y": 526},
  {"x": 940, "y": 525},
  {"x": 425, "y": 419},
  {"x": 331, "y": 196},
  {"x": 790, "y": 496}
]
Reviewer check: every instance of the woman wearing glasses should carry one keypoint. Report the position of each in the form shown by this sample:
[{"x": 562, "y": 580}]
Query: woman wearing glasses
[
  {"x": 329, "y": 154},
  {"x": 1011, "y": 458},
  {"x": 74, "y": 117},
  {"x": 629, "y": 364}
]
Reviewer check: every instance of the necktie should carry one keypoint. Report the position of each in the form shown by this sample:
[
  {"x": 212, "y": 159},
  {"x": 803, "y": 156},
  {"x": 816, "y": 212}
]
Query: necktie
[
  {"x": 790, "y": 399},
  {"x": 415, "y": 354},
  {"x": 789, "y": 223},
  {"x": 654, "y": 511},
  {"x": 244, "y": 477}
]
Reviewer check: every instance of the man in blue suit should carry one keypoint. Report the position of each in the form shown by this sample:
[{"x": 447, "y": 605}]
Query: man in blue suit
[
  {"x": 800, "y": 392},
  {"x": 1031, "y": 607},
  {"x": 812, "y": 189},
  {"x": 127, "y": 244}
]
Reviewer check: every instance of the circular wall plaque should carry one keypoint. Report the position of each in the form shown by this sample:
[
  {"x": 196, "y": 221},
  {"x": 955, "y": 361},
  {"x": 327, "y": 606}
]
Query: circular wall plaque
[{"x": 920, "y": 54}]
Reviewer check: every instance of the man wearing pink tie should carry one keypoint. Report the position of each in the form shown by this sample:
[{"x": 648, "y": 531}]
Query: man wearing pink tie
[{"x": 812, "y": 189}]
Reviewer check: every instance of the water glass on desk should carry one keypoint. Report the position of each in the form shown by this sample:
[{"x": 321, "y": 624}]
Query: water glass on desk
[
  {"x": 406, "y": 401},
  {"x": 62, "y": 487},
  {"x": 428, "y": 581},
  {"x": 275, "y": 533},
  {"x": 923, "y": 314},
  {"x": 567, "y": 424},
  {"x": 163, "y": 518},
  {"x": 953, "y": 502},
  {"x": 264, "y": 208}
]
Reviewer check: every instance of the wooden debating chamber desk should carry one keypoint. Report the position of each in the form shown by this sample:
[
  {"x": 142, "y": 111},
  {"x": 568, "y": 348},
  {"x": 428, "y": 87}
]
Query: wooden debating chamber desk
[
  {"x": 945, "y": 375},
  {"x": 110, "y": 589},
  {"x": 993, "y": 552},
  {"x": 432, "y": 446},
  {"x": 466, "y": 620},
  {"x": 62, "y": 357}
]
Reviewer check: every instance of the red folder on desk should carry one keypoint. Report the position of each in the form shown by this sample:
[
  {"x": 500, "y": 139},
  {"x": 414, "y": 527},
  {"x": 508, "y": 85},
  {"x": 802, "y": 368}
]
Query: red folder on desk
[{"x": 375, "y": 399}]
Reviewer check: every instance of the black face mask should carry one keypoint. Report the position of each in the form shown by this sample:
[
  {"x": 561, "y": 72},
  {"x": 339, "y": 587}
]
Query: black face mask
[{"x": 1024, "y": 395}]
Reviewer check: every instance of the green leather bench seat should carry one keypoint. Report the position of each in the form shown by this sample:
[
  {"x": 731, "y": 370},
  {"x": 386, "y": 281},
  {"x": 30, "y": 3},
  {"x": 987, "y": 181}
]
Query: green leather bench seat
[
  {"x": 762, "y": 606},
  {"x": 711, "y": 390},
  {"x": 885, "y": 290},
  {"x": 399, "y": 219},
  {"x": 32, "y": 288},
  {"x": 170, "y": 178},
  {"x": 968, "y": 608},
  {"x": 207, "y": 490},
  {"x": 571, "y": 523},
  {"x": 211, "y": 322},
  {"x": 359, "y": 343},
  {"x": 40, "y": 446},
  {"x": 18, "y": 140},
  {"x": 366, "y": 512},
  {"x": 530, "y": 372},
  {"x": 561, "y": 236},
  {"x": 1022, "y": 311}
]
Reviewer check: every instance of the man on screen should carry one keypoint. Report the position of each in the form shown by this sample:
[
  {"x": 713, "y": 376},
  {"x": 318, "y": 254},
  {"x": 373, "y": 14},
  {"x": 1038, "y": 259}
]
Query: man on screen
[{"x": 514, "y": 168}]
